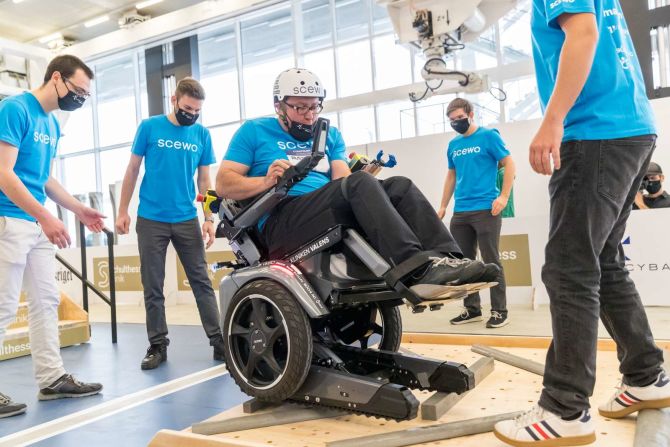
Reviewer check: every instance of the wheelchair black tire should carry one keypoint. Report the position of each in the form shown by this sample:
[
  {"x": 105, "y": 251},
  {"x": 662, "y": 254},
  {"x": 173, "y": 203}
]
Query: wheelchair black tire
[
  {"x": 298, "y": 336},
  {"x": 392, "y": 334}
]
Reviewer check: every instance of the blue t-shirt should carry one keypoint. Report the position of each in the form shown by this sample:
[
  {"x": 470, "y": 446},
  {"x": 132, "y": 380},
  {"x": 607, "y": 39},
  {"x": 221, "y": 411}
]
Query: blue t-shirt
[
  {"x": 25, "y": 125},
  {"x": 613, "y": 102},
  {"x": 475, "y": 159},
  {"x": 172, "y": 155},
  {"x": 259, "y": 142}
]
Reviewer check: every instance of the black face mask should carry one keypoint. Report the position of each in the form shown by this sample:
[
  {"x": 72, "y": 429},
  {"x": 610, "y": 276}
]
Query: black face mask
[
  {"x": 184, "y": 118},
  {"x": 301, "y": 132},
  {"x": 461, "y": 126},
  {"x": 71, "y": 101},
  {"x": 653, "y": 187}
]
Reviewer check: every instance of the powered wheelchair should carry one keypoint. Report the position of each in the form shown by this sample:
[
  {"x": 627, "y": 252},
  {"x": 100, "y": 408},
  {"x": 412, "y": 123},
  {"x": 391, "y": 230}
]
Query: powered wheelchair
[{"x": 318, "y": 321}]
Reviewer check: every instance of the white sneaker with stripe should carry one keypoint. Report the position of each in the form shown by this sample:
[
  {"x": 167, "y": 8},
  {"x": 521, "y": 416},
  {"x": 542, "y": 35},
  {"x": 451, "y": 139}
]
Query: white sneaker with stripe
[
  {"x": 629, "y": 399},
  {"x": 539, "y": 427}
]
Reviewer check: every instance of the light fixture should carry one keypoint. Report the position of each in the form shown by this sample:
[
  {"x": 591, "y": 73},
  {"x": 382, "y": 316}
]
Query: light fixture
[
  {"x": 96, "y": 21},
  {"x": 50, "y": 37},
  {"x": 147, "y": 3},
  {"x": 17, "y": 1}
]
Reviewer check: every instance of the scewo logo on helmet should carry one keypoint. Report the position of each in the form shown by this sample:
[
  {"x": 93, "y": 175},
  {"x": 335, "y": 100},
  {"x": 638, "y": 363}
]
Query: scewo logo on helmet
[{"x": 301, "y": 90}]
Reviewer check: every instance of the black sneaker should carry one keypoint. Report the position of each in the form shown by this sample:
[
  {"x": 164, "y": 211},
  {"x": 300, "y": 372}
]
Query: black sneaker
[
  {"x": 156, "y": 354},
  {"x": 467, "y": 317},
  {"x": 490, "y": 274},
  {"x": 217, "y": 342},
  {"x": 450, "y": 271},
  {"x": 9, "y": 408},
  {"x": 497, "y": 320},
  {"x": 68, "y": 386}
]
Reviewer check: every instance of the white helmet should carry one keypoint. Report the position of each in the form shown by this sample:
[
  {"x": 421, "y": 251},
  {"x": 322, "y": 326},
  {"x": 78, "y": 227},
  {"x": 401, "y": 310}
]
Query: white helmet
[{"x": 298, "y": 82}]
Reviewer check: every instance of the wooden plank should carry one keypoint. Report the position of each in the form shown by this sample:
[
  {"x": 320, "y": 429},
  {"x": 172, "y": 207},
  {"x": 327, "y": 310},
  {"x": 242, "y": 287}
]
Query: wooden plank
[
  {"x": 510, "y": 359},
  {"x": 439, "y": 403},
  {"x": 286, "y": 414},
  {"x": 253, "y": 405},
  {"x": 428, "y": 433},
  {"x": 502, "y": 341},
  {"x": 172, "y": 438}
]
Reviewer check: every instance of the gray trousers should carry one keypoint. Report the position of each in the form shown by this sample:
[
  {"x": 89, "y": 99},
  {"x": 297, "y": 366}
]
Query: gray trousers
[
  {"x": 480, "y": 228},
  {"x": 153, "y": 238},
  {"x": 590, "y": 200}
]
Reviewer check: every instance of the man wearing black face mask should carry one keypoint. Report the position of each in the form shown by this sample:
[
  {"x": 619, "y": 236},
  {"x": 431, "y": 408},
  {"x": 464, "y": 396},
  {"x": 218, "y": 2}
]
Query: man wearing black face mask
[
  {"x": 394, "y": 215},
  {"x": 173, "y": 147},
  {"x": 29, "y": 135},
  {"x": 473, "y": 158},
  {"x": 653, "y": 184}
]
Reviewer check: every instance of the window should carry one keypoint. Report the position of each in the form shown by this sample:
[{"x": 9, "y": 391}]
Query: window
[
  {"x": 522, "y": 101},
  {"x": 515, "y": 33},
  {"x": 267, "y": 50},
  {"x": 79, "y": 180},
  {"x": 381, "y": 22},
  {"x": 354, "y": 68},
  {"x": 115, "y": 83},
  {"x": 480, "y": 54},
  {"x": 221, "y": 137},
  {"x": 322, "y": 63},
  {"x": 430, "y": 115},
  {"x": 395, "y": 120},
  {"x": 218, "y": 75},
  {"x": 351, "y": 19},
  {"x": 358, "y": 126},
  {"x": 113, "y": 168},
  {"x": 392, "y": 63},
  {"x": 77, "y": 130},
  {"x": 317, "y": 25}
]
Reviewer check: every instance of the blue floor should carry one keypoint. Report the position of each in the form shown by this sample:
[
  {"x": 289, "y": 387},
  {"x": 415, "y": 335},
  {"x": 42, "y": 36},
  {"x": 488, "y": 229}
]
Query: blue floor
[{"x": 117, "y": 367}]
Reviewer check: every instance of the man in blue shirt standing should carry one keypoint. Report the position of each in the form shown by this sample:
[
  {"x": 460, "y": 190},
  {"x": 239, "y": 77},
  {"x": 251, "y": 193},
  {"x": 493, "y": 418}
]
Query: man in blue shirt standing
[
  {"x": 173, "y": 147},
  {"x": 473, "y": 158},
  {"x": 29, "y": 135},
  {"x": 599, "y": 132},
  {"x": 394, "y": 215}
]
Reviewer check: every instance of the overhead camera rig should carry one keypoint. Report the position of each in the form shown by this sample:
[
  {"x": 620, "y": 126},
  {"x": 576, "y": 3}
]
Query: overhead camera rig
[{"x": 439, "y": 28}]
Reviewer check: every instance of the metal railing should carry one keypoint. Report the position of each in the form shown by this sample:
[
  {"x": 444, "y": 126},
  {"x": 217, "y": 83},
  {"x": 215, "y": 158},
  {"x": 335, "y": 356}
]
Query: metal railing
[{"x": 83, "y": 275}]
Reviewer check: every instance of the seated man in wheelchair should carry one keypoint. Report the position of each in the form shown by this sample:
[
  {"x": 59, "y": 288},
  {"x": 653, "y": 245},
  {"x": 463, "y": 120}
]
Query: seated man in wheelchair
[{"x": 393, "y": 215}]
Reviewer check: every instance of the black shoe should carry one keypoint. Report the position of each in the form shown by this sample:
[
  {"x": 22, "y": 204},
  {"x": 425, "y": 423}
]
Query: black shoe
[
  {"x": 156, "y": 354},
  {"x": 490, "y": 274},
  {"x": 497, "y": 320},
  {"x": 217, "y": 342},
  {"x": 467, "y": 316},
  {"x": 450, "y": 271},
  {"x": 9, "y": 408},
  {"x": 68, "y": 386}
]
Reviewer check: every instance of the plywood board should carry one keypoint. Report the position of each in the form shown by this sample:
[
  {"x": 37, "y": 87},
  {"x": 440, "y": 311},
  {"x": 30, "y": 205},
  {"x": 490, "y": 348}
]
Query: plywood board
[{"x": 506, "y": 389}]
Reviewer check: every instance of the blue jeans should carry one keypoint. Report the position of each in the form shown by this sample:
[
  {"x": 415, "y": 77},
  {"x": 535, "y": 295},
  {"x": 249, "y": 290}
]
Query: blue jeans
[{"x": 591, "y": 198}]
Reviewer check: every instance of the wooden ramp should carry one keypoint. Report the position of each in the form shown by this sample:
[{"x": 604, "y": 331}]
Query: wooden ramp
[
  {"x": 73, "y": 326},
  {"x": 506, "y": 389}
]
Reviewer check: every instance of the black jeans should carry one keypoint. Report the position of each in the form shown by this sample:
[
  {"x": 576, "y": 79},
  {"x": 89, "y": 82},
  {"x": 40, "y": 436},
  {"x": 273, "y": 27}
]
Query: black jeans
[
  {"x": 591, "y": 198},
  {"x": 396, "y": 217},
  {"x": 153, "y": 238},
  {"x": 481, "y": 228}
]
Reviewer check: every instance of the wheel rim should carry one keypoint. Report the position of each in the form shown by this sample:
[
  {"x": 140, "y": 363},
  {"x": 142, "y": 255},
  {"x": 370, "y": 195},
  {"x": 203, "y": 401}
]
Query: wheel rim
[
  {"x": 258, "y": 341},
  {"x": 355, "y": 327}
]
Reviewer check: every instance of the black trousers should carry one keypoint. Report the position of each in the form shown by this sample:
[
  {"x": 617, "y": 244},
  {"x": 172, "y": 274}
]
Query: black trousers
[
  {"x": 393, "y": 214},
  {"x": 153, "y": 238}
]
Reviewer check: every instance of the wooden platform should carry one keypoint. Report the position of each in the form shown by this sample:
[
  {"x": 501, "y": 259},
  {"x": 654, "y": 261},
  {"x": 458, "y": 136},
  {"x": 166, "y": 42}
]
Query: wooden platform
[{"x": 506, "y": 389}]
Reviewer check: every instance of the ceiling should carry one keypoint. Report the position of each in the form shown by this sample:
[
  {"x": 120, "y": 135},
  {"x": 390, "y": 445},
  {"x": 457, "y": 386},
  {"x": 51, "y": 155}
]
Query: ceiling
[{"x": 29, "y": 20}]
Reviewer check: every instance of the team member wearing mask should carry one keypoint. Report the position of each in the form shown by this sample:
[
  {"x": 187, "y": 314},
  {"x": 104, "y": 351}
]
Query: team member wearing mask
[
  {"x": 653, "y": 184},
  {"x": 598, "y": 130},
  {"x": 29, "y": 135},
  {"x": 173, "y": 146},
  {"x": 473, "y": 159}
]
